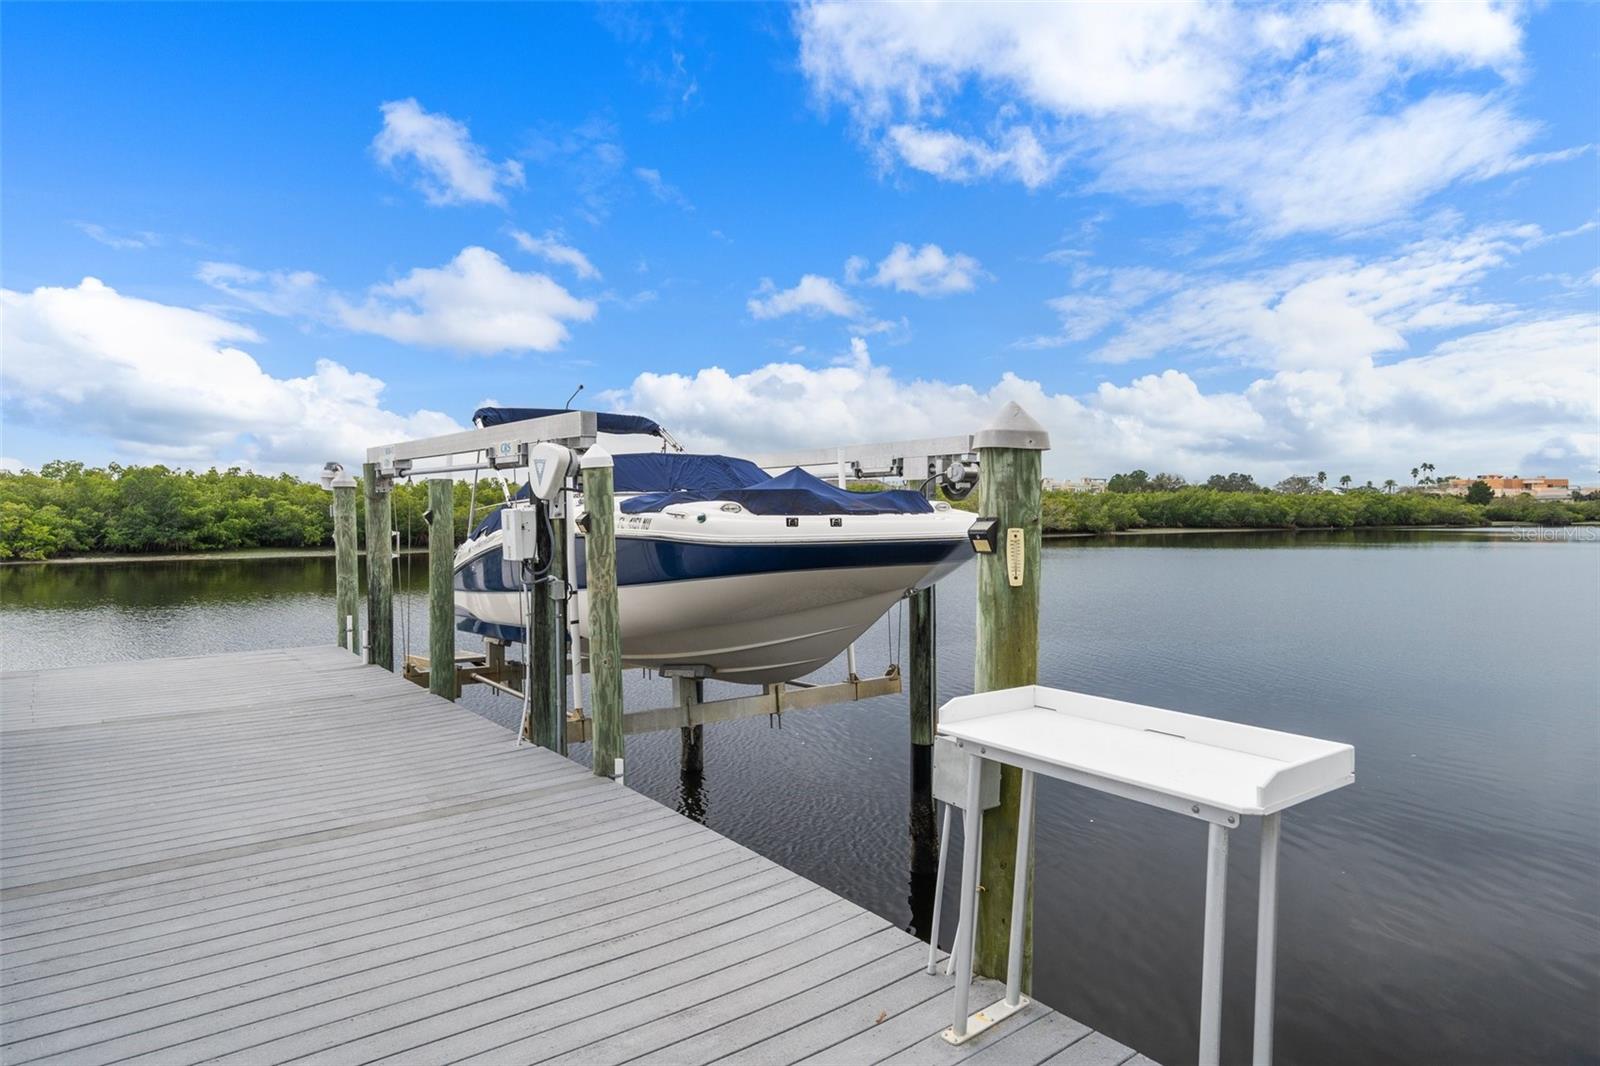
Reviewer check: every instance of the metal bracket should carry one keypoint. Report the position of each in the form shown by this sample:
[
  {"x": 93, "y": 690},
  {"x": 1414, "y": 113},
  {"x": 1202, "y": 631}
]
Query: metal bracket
[{"x": 985, "y": 1019}]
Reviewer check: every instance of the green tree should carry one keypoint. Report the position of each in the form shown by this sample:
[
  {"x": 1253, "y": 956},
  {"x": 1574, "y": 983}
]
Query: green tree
[
  {"x": 1234, "y": 482},
  {"x": 1388, "y": 485},
  {"x": 1134, "y": 481},
  {"x": 1344, "y": 481},
  {"x": 1298, "y": 485},
  {"x": 1165, "y": 482},
  {"x": 1322, "y": 478},
  {"x": 1479, "y": 492}
]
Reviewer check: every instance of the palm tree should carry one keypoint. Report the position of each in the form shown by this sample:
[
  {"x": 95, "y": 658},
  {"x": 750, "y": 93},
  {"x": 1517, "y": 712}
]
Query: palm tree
[
  {"x": 1428, "y": 469},
  {"x": 1388, "y": 486},
  {"x": 1344, "y": 482},
  {"x": 1322, "y": 478},
  {"x": 1413, "y": 474}
]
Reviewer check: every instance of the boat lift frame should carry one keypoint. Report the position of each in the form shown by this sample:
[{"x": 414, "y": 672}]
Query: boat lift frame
[{"x": 505, "y": 447}]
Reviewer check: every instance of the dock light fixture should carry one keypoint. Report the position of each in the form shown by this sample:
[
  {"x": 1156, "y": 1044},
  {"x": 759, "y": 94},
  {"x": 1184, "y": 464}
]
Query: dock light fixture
[{"x": 984, "y": 535}]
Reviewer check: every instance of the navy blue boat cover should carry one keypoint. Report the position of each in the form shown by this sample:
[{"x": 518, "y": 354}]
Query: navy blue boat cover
[
  {"x": 794, "y": 492},
  {"x": 605, "y": 423},
  {"x": 672, "y": 471},
  {"x": 666, "y": 478}
]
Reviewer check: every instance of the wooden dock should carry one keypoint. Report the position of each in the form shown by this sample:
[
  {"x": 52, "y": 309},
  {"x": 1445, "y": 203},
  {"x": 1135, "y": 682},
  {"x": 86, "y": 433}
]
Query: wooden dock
[{"x": 287, "y": 854}]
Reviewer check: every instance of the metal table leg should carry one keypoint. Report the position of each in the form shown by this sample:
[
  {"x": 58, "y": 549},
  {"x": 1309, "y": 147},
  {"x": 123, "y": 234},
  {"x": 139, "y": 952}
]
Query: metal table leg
[
  {"x": 1019, "y": 893},
  {"x": 1266, "y": 941},
  {"x": 1211, "y": 953},
  {"x": 950, "y": 963},
  {"x": 938, "y": 887},
  {"x": 972, "y": 831}
]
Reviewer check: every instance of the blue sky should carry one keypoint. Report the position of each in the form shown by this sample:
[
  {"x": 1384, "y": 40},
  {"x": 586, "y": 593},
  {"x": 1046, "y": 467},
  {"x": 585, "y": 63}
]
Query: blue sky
[{"x": 1195, "y": 238}]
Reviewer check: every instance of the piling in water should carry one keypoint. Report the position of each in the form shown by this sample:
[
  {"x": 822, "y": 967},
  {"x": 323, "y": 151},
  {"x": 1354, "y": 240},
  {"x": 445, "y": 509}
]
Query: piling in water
[
  {"x": 346, "y": 567},
  {"x": 380, "y": 568},
  {"x": 605, "y": 637},
  {"x": 923, "y": 694},
  {"x": 441, "y": 589}
]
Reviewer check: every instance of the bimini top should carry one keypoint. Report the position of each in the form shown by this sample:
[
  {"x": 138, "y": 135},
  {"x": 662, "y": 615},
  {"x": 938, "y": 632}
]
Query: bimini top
[
  {"x": 794, "y": 492},
  {"x": 604, "y": 422},
  {"x": 664, "y": 478}
]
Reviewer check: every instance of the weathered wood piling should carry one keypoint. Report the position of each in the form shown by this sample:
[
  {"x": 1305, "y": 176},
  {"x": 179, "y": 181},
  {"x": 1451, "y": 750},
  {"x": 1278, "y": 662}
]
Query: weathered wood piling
[
  {"x": 923, "y": 669},
  {"x": 1010, "y": 463},
  {"x": 380, "y": 567},
  {"x": 346, "y": 565},
  {"x": 691, "y": 738},
  {"x": 605, "y": 637},
  {"x": 441, "y": 588}
]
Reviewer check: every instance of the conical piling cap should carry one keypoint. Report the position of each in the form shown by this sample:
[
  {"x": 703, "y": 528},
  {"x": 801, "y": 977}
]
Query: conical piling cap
[
  {"x": 596, "y": 456},
  {"x": 1012, "y": 428}
]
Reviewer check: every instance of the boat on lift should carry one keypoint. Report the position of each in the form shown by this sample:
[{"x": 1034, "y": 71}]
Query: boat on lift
[{"x": 724, "y": 570}]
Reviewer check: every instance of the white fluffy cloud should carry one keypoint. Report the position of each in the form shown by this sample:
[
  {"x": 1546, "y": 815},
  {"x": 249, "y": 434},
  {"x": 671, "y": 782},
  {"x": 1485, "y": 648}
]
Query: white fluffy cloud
[
  {"x": 551, "y": 249},
  {"x": 170, "y": 383},
  {"x": 474, "y": 303},
  {"x": 449, "y": 166},
  {"x": 1292, "y": 117},
  {"x": 811, "y": 295},
  {"x": 1456, "y": 405},
  {"x": 1163, "y": 60},
  {"x": 1323, "y": 164},
  {"x": 1337, "y": 312},
  {"x": 927, "y": 271},
  {"x": 1016, "y": 154},
  {"x": 277, "y": 292}
]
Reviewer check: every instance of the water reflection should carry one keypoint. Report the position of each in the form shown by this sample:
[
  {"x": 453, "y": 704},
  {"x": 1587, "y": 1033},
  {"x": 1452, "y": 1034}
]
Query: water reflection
[{"x": 924, "y": 837}]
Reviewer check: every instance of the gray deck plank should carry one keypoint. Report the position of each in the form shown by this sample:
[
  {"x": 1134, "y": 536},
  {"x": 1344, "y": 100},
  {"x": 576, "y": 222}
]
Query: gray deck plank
[
  {"x": 827, "y": 1030},
  {"x": 322, "y": 893},
  {"x": 573, "y": 1021},
  {"x": 287, "y": 854},
  {"x": 787, "y": 1013},
  {"x": 1096, "y": 1049},
  {"x": 1024, "y": 1039},
  {"x": 294, "y": 1007},
  {"x": 447, "y": 843},
  {"x": 474, "y": 926},
  {"x": 214, "y": 949},
  {"x": 592, "y": 956},
  {"x": 713, "y": 999},
  {"x": 900, "y": 1031}
]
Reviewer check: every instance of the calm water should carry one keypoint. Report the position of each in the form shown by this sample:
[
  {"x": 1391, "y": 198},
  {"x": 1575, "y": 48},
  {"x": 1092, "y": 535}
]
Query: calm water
[{"x": 1446, "y": 908}]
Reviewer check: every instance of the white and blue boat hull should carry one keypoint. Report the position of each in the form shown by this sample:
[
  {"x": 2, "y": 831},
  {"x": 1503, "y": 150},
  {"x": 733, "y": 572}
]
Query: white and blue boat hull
[{"x": 747, "y": 598}]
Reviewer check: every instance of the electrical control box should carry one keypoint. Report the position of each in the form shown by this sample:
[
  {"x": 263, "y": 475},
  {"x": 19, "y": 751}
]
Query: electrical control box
[{"x": 520, "y": 524}]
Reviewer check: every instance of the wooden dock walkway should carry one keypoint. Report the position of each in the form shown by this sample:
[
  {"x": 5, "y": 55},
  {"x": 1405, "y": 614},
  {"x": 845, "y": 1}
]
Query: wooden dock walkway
[{"x": 289, "y": 855}]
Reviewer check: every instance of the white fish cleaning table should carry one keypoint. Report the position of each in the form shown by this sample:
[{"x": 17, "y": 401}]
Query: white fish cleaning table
[{"x": 1216, "y": 771}]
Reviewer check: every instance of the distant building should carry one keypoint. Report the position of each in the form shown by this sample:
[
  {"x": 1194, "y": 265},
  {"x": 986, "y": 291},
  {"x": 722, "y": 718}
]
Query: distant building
[
  {"x": 1540, "y": 488},
  {"x": 1083, "y": 484}
]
